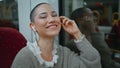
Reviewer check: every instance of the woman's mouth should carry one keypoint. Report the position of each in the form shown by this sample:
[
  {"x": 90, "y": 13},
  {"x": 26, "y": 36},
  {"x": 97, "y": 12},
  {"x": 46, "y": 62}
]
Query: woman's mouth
[{"x": 53, "y": 26}]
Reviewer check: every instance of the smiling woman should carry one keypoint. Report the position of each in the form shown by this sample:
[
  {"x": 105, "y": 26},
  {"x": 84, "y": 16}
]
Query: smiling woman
[
  {"x": 44, "y": 52},
  {"x": 40, "y": 19}
]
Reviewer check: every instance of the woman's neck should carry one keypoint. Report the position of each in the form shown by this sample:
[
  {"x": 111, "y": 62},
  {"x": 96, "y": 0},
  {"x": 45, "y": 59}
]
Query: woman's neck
[
  {"x": 45, "y": 44},
  {"x": 46, "y": 47}
]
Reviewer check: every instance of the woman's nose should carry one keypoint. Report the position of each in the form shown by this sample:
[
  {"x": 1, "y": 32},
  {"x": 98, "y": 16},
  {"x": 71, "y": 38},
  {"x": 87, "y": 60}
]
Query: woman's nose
[{"x": 50, "y": 19}]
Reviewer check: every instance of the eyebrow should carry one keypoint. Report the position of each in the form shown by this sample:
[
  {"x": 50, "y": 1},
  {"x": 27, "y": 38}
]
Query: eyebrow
[{"x": 43, "y": 13}]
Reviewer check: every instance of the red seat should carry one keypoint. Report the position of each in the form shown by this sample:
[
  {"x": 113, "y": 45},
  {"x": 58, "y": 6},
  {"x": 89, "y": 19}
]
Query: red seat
[{"x": 11, "y": 41}]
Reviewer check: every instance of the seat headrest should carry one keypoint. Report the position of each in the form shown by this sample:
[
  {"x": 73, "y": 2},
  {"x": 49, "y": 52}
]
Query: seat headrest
[{"x": 11, "y": 41}]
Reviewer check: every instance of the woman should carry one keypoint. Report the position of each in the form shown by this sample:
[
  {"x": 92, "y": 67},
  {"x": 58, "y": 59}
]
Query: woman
[{"x": 44, "y": 53}]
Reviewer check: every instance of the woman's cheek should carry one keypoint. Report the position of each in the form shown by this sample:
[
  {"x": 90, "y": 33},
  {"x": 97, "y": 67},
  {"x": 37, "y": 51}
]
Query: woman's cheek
[
  {"x": 58, "y": 19},
  {"x": 42, "y": 23}
]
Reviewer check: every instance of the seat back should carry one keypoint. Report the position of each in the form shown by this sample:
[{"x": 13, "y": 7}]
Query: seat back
[{"x": 11, "y": 41}]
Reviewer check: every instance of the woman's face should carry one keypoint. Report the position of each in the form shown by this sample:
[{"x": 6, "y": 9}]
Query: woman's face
[{"x": 46, "y": 21}]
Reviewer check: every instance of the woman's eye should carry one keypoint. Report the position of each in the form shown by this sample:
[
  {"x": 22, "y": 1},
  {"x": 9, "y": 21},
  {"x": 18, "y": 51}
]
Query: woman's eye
[
  {"x": 54, "y": 14},
  {"x": 43, "y": 15}
]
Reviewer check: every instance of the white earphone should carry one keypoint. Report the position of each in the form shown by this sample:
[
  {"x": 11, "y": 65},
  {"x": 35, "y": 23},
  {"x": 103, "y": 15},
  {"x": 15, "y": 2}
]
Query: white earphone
[{"x": 33, "y": 27}]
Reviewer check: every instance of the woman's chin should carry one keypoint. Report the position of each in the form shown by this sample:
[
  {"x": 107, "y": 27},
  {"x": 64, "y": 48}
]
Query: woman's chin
[{"x": 54, "y": 34}]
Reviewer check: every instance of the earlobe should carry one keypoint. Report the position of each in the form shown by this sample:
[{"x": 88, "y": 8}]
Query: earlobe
[{"x": 33, "y": 27}]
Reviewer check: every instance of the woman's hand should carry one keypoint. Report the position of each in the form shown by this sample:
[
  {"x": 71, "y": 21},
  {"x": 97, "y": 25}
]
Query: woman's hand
[{"x": 70, "y": 27}]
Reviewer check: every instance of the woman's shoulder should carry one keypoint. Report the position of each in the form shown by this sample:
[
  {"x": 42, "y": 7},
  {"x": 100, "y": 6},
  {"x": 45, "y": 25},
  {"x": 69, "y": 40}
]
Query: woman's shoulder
[
  {"x": 23, "y": 58},
  {"x": 23, "y": 52},
  {"x": 23, "y": 55}
]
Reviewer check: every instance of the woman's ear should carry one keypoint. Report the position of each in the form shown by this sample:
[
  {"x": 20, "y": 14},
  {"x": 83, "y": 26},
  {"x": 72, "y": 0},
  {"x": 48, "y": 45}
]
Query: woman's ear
[{"x": 32, "y": 26}]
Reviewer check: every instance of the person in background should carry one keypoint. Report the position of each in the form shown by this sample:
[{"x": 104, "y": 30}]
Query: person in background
[
  {"x": 44, "y": 53},
  {"x": 86, "y": 22},
  {"x": 8, "y": 23}
]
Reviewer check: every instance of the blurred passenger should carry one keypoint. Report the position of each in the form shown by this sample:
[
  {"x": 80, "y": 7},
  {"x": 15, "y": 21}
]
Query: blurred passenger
[
  {"x": 85, "y": 20},
  {"x": 8, "y": 23},
  {"x": 113, "y": 38}
]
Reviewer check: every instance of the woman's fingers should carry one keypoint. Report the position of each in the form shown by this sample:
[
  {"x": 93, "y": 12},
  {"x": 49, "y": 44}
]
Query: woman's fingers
[
  {"x": 61, "y": 18},
  {"x": 66, "y": 21}
]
